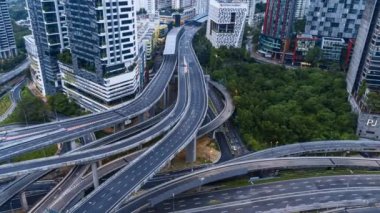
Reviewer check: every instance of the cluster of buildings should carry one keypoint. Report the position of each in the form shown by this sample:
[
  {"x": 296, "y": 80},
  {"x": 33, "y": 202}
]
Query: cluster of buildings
[
  {"x": 344, "y": 31},
  {"x": 330, "y": 25},
  {"x": 347, "y": 32},
  {"x": 96, "y": 51}
]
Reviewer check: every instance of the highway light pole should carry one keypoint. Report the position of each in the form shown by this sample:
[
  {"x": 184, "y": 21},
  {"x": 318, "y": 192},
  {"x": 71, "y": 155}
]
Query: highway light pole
[
  {"x": 11, "y": 205},
  {"x": 26, "y": 118},
  {"x": 173, "y": 201},
  {"x": 201, "y": 179}
]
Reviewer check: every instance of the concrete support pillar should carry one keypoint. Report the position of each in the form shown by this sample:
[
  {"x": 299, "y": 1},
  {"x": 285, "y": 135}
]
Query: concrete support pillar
[
  {"x": 191, "y": 151},
  {"x": 165, "y": 99},
  {"x": 214, "y": 135},
  {"x": 121, "y": 126},
  {"x": 24, "y": 202},
  {"x": 168, "y": 164},
  {"x": 73, "y": 145},
  {"x": 141, "y": 118},
  {"x": 118, "y": 127},
  {"x": 95, "y": 177},
  {"x": 152, "y": 111},
  {"x": 168, "y": 94}
]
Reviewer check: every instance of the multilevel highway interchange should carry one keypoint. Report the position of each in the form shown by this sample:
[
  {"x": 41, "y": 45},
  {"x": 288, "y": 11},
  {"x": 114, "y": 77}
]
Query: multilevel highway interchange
[{"x": 132, "y": 182}]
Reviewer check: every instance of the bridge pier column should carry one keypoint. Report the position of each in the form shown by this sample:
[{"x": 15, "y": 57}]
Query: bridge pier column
[
  {"x": 214, "y": 134},
  {"x": 95, "y": 177},
  {"x": 141, "y": 118},
  {"x": 73, "y": 145},
  {"x": 169, "y": 164},
  {"x": 118, "y": 127},
  {"x": 165, "y": 99},
  {"x": 152, "y": 111},
  {"x": 191, "y": 151},
  {"x": 167, "y": 95},
  {"x": 24, "y": 202}
]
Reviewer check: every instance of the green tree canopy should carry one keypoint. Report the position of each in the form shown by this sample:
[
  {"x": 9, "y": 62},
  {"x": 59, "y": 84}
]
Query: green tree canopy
[
  {"x": 373, "y": 101},
  {"x": 61, "y": 104},
  {"x": 299, "y": 26},
  {"x": 313, "y": 56},
  {"x": 275, "y": 104}
]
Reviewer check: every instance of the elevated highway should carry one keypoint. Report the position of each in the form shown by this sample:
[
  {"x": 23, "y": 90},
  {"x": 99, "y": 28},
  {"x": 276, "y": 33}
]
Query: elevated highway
[
  {"x": 223, "y": 116},
  {"x": 234, "y": 169},
  {"x": 302, "y": 202},
  {"x": 296, "y": 194},
  {"x": 181, "y": 125},
  {"x": 82, "y": 155},
  {"x": 35, "y": 137},
  {"x": 16, "y": 71},
  {"x": 132, "y": 177},
  {"x": 321, "y": 147},
  {"x": 66, "y": 191}
]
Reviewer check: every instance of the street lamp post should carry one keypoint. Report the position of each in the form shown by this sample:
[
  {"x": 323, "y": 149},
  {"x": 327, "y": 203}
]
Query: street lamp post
[
  {"x": 252, "y": 182},
  {"x": 26, "y": 118},
  {"x": 11, "y": 205},
  {"x": 173, "y": 201},
  {"x": 202, "y": 179}
]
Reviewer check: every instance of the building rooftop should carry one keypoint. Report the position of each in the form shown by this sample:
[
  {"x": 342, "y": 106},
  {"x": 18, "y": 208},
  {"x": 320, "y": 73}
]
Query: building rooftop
[{"x": 332, "y": 39}]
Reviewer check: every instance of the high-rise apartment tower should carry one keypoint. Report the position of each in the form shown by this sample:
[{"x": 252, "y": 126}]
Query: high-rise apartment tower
[{"x": 7, "y": 40}]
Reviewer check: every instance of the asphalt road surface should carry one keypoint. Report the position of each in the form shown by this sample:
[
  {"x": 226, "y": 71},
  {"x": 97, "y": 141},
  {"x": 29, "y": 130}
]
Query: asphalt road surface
[{"x": 278, "y": 195}]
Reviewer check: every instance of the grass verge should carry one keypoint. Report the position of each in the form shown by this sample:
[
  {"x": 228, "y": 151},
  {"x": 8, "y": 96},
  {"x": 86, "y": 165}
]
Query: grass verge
[
  {"x": 5, "y": 103},
  {"x": 48, "y": 151}
]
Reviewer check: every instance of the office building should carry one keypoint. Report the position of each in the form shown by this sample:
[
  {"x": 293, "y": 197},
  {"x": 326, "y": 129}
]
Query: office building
[
  {"x": 302, "y": 7},
  {"x": 277, "y": 27},
  {"x": 148, "y": 5},
  {"x": 104, "y": 66},
  {"x": 7, "y": 40},
  {"x": 364, "y": 65},
  {"x": 302, "y": 45},
  {"x": 279, "y": 17},
  {"x": 334, "y": 18},
  {"x": 48, "y": 23},
  {"x": 35, "y": 68},
  {"x": 257, "y": 20},
  {"x": 162, "y": 4},
  {"x": 151, "y": 7},
  {"x": 147, "y": 34},
  {"x": 225, "y": 25},
  {"x": 180, "y": 4},
  {"x": 251, "y": 12},
  {"x": 332, "y": 48},
  {"x": 202, "y": 7}
]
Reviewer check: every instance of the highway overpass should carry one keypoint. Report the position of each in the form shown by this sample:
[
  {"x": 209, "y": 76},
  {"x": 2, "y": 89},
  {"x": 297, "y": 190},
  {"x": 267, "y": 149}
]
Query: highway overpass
[
  {"x": 235, "y": 169},
  {"x": 132, "y": 177}
]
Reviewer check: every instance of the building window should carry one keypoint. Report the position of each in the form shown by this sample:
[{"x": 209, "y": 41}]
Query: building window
[{"x": 233, "y": 17}]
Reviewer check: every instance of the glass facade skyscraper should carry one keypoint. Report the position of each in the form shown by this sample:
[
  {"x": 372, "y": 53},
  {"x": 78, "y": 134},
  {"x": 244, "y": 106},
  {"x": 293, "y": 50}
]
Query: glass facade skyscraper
[
  {"x": 7, "y": 40},
  {"x": 104, "y": 69},
  {"x": 48, "y": 23},
  {"x": 365, "y": 62},
  {"x": 334, "y": 18}
]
